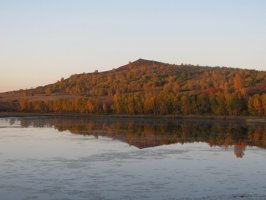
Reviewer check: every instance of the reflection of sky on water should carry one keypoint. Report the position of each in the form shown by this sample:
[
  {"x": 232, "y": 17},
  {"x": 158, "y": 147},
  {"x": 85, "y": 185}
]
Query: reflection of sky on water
[{"x": 41, "y": 163}]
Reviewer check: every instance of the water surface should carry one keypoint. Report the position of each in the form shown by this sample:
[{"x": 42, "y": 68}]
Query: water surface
[{"x": 104, "y": 158}]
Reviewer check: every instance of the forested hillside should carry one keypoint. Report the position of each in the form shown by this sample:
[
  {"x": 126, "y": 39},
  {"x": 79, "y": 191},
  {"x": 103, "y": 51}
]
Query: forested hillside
[{"x": 149, "y": 87}]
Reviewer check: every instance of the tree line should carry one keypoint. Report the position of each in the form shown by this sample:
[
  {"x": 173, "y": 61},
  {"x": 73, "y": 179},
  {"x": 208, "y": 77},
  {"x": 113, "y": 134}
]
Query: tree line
[{"x": 164, "y": 103}]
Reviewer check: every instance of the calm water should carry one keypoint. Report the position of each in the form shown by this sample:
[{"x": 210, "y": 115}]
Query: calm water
[{"x": 79, "y": 158}]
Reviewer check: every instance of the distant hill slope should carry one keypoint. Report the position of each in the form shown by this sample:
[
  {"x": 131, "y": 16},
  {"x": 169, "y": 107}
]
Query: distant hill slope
[{"x": 151, "y": 87}]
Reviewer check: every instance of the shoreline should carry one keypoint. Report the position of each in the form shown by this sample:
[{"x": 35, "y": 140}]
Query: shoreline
[{"x": 140, "y": 116}]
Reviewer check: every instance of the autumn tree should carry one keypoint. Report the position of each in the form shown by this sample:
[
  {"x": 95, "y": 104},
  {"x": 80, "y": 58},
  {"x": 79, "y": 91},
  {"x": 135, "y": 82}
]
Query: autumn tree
[
  {"x": 23, "y": 105},
  {"x": 91, "y": 106},
  {"x": 238, "y": 84}
]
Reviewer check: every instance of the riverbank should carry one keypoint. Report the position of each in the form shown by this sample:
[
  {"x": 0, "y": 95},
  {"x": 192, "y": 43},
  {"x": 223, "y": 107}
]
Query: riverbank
[{"x": 209, "y": 117}]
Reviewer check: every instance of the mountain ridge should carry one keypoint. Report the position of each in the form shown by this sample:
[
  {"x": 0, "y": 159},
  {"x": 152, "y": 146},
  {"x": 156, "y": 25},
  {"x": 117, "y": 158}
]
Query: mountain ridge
[
  {"x": 168, "y": 87},
  {"x": 137, "y": 63}
]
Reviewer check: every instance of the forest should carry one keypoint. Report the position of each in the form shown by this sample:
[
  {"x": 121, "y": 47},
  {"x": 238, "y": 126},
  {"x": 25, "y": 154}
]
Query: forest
[{"x": 149, "y": 87}]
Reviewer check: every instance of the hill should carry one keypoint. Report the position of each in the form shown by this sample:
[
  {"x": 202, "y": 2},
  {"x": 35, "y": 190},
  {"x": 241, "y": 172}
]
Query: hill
[{"x": 149, "y": 87}]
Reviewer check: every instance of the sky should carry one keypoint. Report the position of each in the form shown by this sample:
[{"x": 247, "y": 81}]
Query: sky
[{"x": 42, "y": 41}]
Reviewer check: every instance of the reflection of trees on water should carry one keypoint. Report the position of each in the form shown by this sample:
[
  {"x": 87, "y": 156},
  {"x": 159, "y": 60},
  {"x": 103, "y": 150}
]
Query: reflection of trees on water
[
  {"x": 239, "y": 150},
  {"x": 144, "y": 133}
]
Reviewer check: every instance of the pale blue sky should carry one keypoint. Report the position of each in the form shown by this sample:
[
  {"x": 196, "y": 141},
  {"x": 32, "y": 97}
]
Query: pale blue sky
[{"x": 44, "y": 40}]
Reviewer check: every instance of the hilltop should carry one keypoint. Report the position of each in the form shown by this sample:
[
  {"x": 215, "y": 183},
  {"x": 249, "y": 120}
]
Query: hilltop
[{"x": 149, "y": 87}]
